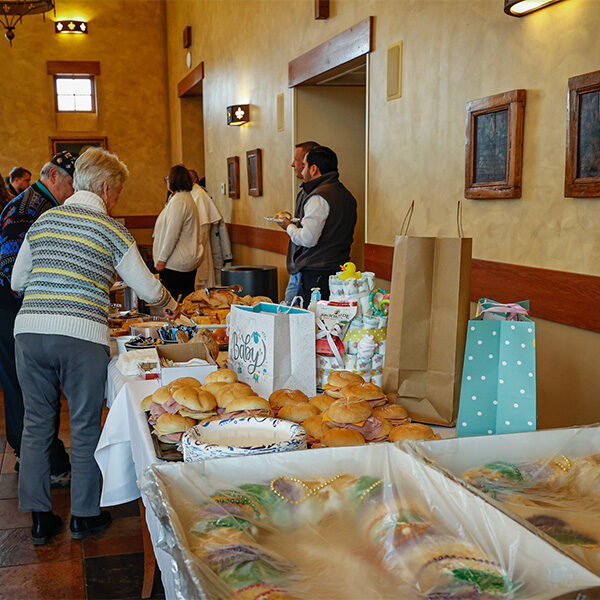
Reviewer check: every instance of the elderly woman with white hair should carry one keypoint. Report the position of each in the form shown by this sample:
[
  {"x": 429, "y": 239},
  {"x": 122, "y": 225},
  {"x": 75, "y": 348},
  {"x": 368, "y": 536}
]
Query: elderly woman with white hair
[{"x": 65, "y": 269}]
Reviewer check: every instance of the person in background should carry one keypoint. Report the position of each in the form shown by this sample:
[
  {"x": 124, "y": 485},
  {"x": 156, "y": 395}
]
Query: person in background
[
  {"x": 5, "y": 195},
  {"x": 327, "y": 216},
  {"x": 53, "y": 188},
  {"x": 177, "y": 248},
  {"x": 207, "y": 214},
  {"x": 66, "y": 265},
  {"x": 19, "y": 179},
  {"x": 293, "y": 287}
]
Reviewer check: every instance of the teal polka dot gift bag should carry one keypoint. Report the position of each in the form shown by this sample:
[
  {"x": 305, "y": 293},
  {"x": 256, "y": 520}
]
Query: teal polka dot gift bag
[{"x": 498, "y": 391}]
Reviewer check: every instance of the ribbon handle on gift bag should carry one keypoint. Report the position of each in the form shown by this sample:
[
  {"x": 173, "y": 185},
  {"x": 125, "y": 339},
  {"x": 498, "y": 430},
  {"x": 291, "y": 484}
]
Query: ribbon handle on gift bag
[
  {"x": 407, "y": 219},
  {"x": 325, "y": 333},
  {"x": 283, "y": 308},
  {"x": 512, "y": 309}
]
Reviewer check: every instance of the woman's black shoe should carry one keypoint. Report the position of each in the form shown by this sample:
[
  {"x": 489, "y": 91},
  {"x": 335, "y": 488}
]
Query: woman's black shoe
[
  {"x": 83, "y": 526},
  {"x": 45, "y": 525}
]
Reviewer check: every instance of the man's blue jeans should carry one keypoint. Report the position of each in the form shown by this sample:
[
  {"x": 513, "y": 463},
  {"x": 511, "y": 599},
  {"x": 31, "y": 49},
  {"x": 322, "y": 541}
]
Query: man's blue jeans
[{"x": 293, "y": 287}]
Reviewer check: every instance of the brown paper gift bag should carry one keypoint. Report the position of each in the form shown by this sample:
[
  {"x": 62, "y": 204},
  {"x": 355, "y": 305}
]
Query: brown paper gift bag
[{"x": 427, "y": 324}]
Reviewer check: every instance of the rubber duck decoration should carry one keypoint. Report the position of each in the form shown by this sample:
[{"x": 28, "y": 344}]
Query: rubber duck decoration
[{"x": 349, "y": 271}]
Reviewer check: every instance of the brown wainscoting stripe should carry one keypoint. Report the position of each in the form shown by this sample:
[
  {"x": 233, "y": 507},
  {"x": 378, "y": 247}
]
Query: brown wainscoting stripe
[
  {"x": 272, "y": 240},
  {"x": 191, "y": 84},
  {"x": 379, "y": 259},
  {"x": 335, "y": 52},
  {"x": 138, "y": 221},
  {"x": 559, "y": 296}
]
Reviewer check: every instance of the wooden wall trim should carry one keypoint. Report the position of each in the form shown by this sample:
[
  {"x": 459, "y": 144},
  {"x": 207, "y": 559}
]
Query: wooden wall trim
[
  {"x": 338, "y": 50},
  {"x": 272, "y": 240},
  {"x": 138, "y": 221},
  {"x": 191, "y": 84},
  {"x": 559, "y": 296},
  {"x": 68, "y": 67}
]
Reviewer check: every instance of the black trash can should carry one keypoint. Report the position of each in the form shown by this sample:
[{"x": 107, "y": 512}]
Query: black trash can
[{"x": 256, "y": 280}]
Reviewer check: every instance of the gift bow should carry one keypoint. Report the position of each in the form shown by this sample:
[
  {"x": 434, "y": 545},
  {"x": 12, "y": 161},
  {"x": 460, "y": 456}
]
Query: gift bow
[
  {"x": 512, "y": 309},
  {"x": 325, "y": 333}
]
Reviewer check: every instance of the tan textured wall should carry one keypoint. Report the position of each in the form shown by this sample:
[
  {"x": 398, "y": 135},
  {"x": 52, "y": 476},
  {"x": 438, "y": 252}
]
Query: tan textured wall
[
  {"x": 131, "y": 92},
  {"x": 454, "y": 52}
]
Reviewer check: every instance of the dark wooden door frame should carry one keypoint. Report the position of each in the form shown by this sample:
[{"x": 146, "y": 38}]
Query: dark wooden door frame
[
  {"x": 191, "y": 84},
  {"x": 339, "y": 53}
]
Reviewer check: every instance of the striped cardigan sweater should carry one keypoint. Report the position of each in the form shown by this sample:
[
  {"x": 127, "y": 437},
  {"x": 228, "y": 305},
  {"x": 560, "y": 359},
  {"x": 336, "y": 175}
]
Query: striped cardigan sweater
[{"x": 67, "y": 265}]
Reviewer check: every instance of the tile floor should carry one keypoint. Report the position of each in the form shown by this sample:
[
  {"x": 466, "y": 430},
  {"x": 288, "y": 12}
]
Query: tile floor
[{"x": 105, "y": 566}]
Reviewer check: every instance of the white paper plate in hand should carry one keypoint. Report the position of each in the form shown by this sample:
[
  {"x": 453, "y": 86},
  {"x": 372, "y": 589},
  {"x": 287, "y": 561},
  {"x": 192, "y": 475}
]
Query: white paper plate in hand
[
  {"x": 241, "y": 436},
  {"x": 274, "y": 220}
]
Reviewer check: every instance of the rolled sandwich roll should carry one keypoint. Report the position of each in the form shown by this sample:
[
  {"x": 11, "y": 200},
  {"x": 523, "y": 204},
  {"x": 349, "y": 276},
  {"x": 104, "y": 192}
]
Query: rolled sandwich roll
[
  {"x": 249, "y": 406},
  {"x": 322, "y": 401},
  {"x": 356, "y": 415},
  {"x": 339, "y": 379},
  {"x": 393, "y": 413},
  {"x": 411, "y": 431},
  {"x": 195, "y": 403},
  {"x": 285, "y": 397},
  {"x": 342, "y": 437},
  {"x": 369, "y": 392},
  {"x": 169, "y": 428},
  {"x": 315, "y": 430},
  {"x": 230, "y": 392},
  {"x": 298, "y": 412},
  {"x": 221, "y": 376}
]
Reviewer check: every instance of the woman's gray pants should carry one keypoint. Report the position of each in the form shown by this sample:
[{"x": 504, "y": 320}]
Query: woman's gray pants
[{"x": 44, "y": 363}]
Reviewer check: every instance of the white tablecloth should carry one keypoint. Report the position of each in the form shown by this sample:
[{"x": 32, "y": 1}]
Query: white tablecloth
[{"x": 125, "y": 449}]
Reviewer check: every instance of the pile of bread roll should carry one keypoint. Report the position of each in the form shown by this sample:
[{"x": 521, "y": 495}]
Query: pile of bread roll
[
  {"x": 349, "y": 413},
  {"x": 183, "y": 403}
]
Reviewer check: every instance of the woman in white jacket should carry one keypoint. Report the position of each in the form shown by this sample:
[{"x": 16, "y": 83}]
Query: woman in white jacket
[{"x": 177, "y": 248}]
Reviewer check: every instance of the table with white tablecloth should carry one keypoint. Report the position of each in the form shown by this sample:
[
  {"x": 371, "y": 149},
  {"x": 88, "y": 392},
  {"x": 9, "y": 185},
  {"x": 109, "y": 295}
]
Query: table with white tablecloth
[{"x": 125, "y": 449}]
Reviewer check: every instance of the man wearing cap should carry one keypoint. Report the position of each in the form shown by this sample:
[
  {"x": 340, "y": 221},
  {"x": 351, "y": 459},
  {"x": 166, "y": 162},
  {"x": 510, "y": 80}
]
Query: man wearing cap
[{"x": 54, "y": 186}]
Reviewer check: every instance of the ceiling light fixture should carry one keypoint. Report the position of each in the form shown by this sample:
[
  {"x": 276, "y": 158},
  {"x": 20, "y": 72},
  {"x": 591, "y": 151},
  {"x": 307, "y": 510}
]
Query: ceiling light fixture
[
  {"x": 519, "y": 8},
  {"x": 13, "y": 11},
  {"x": 70, "y": 26},
  {"x": 238, "y": 114}
]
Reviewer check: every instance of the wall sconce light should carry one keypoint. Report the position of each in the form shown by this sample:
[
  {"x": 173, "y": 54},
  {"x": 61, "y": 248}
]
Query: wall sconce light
[
  {"x": 519, "y": 8},
  {"x": 70, "y": 26},
  {"x": 238, "y": 114}
]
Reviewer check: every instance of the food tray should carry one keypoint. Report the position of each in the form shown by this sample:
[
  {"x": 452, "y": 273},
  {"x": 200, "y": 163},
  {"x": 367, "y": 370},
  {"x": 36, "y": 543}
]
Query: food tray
[
  {"x": 165, "y": 451},
  {"x": 273, "y": 220}
]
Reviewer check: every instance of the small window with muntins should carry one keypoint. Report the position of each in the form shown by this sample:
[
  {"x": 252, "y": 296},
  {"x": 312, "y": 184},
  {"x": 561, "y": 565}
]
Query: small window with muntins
[{"x": 75, "y": 93}]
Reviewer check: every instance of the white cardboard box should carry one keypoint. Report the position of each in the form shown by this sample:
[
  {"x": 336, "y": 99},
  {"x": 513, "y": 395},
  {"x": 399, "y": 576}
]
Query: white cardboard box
[
  {"x": 183, "y": 353},
  {"x": 173, "y": 489}
]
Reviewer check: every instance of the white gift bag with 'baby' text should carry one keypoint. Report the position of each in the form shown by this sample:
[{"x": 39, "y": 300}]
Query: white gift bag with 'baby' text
[{"x": 272, "y": 346}]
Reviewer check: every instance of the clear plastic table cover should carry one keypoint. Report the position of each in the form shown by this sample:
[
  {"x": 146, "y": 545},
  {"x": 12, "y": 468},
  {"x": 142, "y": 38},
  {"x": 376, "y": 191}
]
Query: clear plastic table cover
[
  {"x": 548, "y": 479},
  {"x": 345, "y": 523}
]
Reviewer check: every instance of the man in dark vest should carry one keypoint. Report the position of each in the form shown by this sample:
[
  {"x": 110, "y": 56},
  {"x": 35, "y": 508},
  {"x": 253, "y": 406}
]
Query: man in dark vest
[
  {"x": 327, "y": 216},
  {"x": 293, "y": 287}
]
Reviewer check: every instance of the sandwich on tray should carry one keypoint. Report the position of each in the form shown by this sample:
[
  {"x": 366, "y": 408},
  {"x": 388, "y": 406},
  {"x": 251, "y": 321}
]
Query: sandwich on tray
[
  {"x": 285, "y": 397},
  {"x": 169, "y": 428},
  {"x": 357, "y": 415},
  {"x": 339, "y": 379},
  {"x": 298, "y": 412},
  {"x": 370, "y": 392},
  {"x": 248, "y": 406}
]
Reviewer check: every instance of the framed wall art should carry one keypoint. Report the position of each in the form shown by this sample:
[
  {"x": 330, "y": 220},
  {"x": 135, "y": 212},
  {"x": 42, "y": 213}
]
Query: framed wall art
[
  {"x": 76, "y": 145},
  {"x": 233, "y": 177},
  {"x": 494, "y": 146},
  {"x": 254, "y": 165},
  {"x": 582, "y": 170}
]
